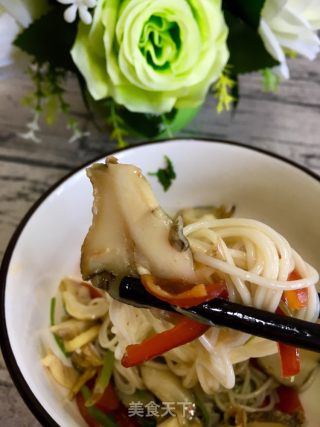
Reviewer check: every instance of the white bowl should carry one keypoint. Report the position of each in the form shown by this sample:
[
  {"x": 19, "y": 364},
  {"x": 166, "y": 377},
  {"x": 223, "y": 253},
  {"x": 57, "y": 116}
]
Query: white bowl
[{"x": 46, "y": 246}]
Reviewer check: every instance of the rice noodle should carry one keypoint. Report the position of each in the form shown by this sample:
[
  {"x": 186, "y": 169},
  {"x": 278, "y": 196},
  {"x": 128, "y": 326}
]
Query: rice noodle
[{"x": 255, "y": 261}]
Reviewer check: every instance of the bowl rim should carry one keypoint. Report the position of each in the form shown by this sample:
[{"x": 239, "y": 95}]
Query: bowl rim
[{"x": 18, "y": 379}]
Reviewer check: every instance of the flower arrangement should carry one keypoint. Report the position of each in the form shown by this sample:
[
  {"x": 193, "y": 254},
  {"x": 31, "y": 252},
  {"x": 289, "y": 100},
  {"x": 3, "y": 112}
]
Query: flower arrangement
[{"x": 146, "y": 66}]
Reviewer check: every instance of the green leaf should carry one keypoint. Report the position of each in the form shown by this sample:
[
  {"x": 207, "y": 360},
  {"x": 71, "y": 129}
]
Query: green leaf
[
  {"x": 225, "y": 91},
  {"x": 148, "y": 125},
  {"x": 247, "y": 51},
  {"x": 270, "y": 81},
  {"x": 247, "y": 10},
  {"x": 235, "y": 92},
  {"x": 49, "y": 39},
  {"x": 118, "y": 126},
  {"x": 165, "y": 175},
  {"x": 158, "y": 126}
]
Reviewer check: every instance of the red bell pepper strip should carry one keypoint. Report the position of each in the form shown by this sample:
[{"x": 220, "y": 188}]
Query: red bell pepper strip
[
  {"x": 289, "y": 401},
  {"x": 109, "y": 409},
  {"x": 198, "y": 294},
  {"x": 84, "y": 411},
  {"x": 289, "y": 356},
  {"x": 290, "y": 359},
  {"x": 109, "y": 401},
  {"x": 184, "y": 331},
  {"x": 298, "y": 298},
  {"x": 94, "y": 416}
]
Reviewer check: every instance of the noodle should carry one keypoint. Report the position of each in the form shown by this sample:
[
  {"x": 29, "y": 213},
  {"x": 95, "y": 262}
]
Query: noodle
[{"x": 255, "y": 261}]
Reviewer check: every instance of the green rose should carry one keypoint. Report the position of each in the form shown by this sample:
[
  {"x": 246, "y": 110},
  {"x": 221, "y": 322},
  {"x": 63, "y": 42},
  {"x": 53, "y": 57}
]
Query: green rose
[{"x": 152, "y": 55}]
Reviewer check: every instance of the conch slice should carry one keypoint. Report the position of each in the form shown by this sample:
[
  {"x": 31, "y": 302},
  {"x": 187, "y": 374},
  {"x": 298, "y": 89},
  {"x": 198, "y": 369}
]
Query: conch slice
[{"x": 129, "y": 228}]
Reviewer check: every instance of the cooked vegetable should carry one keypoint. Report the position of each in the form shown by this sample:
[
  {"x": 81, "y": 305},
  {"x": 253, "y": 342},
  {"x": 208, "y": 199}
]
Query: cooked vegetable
[
  {"x": 92, "y": 415},
  {"x": 62, "y": 374},
  {"x": 143, "y": 396},
  {"x": 298, "y": 298},
  {"x": 70, "y": 328},
  {"x": 82, "y": 293},
  {"x": 95, "y": 309},
  {"x": 87, "y": 357},
  {"x": 204, "y": 411},
  {"x": 82, "y": 380},
  {"x": 184, "y": 331},
  {"x": 308, "y": 362},
  {"x": 82, "y": 339},
  {"x": 57, "y": 338},
  {"x": 171, "y": 389},
  {"x": 130, "y": 238},
  {"x": 103, "y": 378},
  {"x": 127, "y": 220},
  {"x": 94, "y": 292},
  {"x": 289, "y": 355},
  {"x": 290, "y": 360},
  {"x": 289, "y": 401},
  {"x": 84, "y": 411},
  {"x": 108, "y": 402},
  {"x": 170, "y": 291}
]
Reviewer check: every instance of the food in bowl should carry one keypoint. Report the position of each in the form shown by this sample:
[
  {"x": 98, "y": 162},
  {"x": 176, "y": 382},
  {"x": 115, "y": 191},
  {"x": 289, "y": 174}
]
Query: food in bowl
[{"x": 127, "y": 366}]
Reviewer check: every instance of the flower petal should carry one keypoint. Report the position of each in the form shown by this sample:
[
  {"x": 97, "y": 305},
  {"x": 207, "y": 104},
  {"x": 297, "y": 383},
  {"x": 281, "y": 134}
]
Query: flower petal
[
  {"x": 291, "y": 24},
  {"x": 70, "y": 13},
  {"x": 85, "y": 15},
  {"x": 9, "y": 29},
  {"x": 152, "y": 55},
  {"x": 91, "y": 65}
]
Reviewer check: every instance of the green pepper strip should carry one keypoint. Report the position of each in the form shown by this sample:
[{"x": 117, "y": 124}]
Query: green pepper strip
[
  {"x": 103, "y": 379},
  {"x": 58, "y": 339},
  {"x": 94, "y": 412},
  {"x": 206, "y": 418}
]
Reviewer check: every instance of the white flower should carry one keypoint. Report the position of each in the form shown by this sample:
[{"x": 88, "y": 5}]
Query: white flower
[
  {"x": 14, "y": 16},
  {"x": 77, "y": 133},
  {"x": 33, "y": 129},
  {"x": 82, "y": 6},
  {"x": 290, "y": 24}
]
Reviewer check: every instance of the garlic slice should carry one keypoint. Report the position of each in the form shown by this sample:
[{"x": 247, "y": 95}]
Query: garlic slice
[{"x": 62, "y": 374}]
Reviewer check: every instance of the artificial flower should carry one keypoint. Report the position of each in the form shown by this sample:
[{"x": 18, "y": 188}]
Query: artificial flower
[
  {"x": 33, "y": 128},
  {"x": 14, "y": 17},
  {"x": 290, "y": 25},
  {"x": 152, "y": 56},
  {"x": 80, "y": 6}
]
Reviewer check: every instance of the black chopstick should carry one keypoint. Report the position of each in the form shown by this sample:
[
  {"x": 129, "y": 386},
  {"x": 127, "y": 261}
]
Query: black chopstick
[{"x": 220, "y": 312}]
